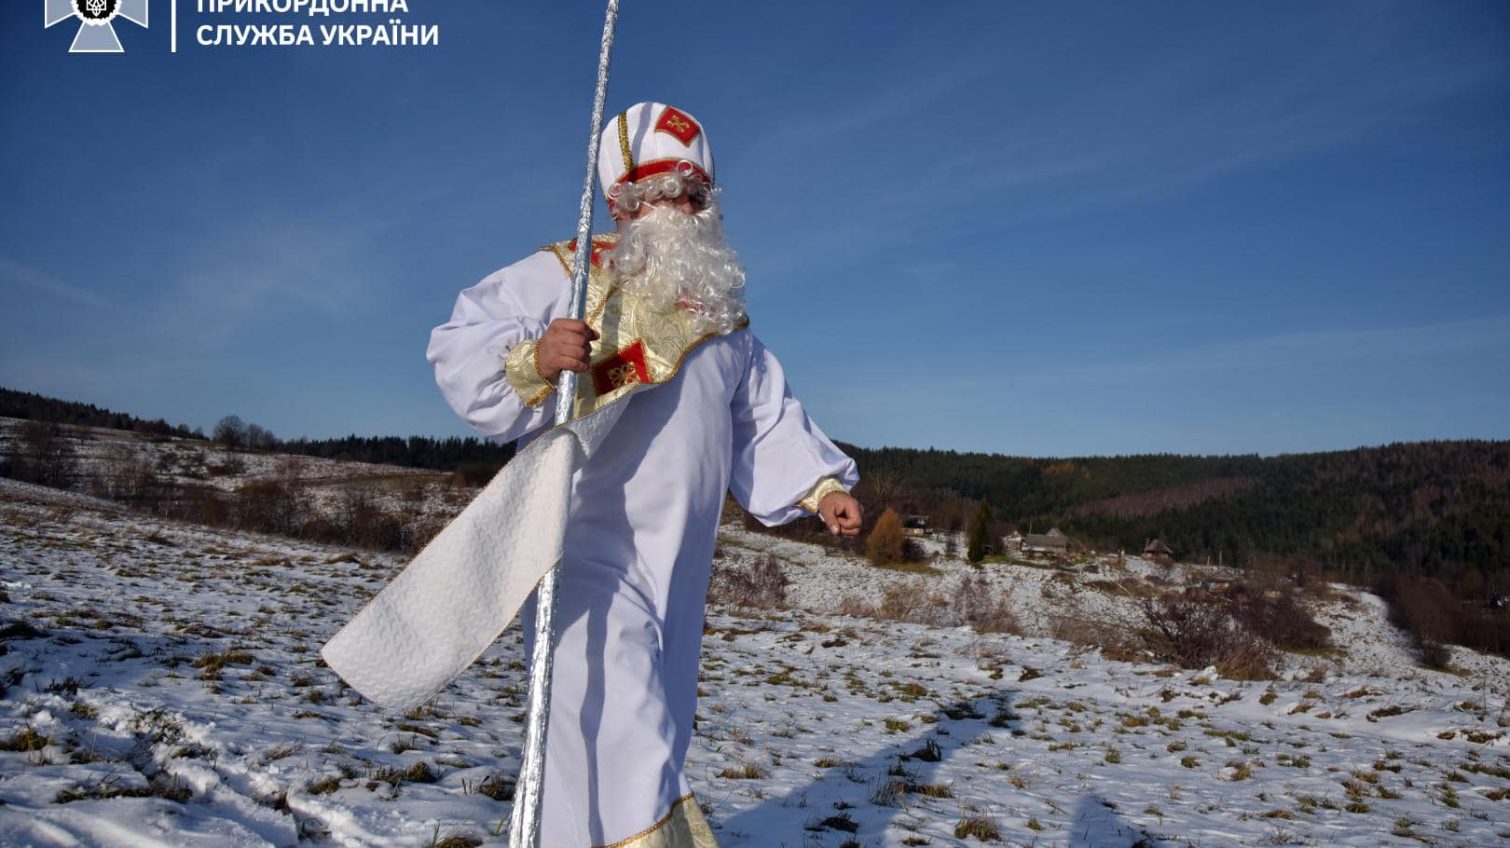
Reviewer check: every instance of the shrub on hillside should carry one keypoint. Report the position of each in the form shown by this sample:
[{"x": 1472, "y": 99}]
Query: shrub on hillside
[
  {"x": 230, "y": 465},
  {"x": 910, "y": 601},
  {"x": 1434, "y": 655},
  {"x": 1423, "y": 607},
  {"x": 475, "y": 473},
  {"x": 362, "y": 522},
  {"x": 970, "y": 603},
  {"x": 759, "y": 584},
  {"x": 1110, "y": 637},
  {"x": 1278, "y": 617},
  {"x": 129, "y": 477},
  {"x": 1434, "y": 616},
  {"x": 419, "y": 530},
  {"x": 886, "y": 543},
  {"x": 1190, "y": 629},
  {"x": 42, "y": 454},
  {"x": 1248, "y": 659},
  {"x": 1238, "y": 631},
  {"x": 271, "y": 506},
  {"x": 982, "y": 609},
  {"x": 855, "y": 607},
  {"x": 202, "y": 505}
]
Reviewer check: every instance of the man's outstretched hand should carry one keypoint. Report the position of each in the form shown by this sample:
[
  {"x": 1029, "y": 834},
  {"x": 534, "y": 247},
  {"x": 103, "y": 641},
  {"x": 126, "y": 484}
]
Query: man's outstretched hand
[
  {"x": 564, "y": 347},
  {"x": 840, "y": 513}
]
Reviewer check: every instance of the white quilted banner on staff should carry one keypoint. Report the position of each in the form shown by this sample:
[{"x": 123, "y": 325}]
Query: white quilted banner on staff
[{"x": 459, "y": 593}]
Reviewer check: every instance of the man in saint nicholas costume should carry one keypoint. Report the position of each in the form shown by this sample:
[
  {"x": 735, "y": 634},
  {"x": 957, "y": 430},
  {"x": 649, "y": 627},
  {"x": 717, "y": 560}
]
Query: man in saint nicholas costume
[{"x": 706, "y": 409}]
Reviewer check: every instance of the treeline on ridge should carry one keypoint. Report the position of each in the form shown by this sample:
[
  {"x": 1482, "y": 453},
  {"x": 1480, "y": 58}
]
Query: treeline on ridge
[
  {"x": 474, "y": 459},
  {"x": 1439, "y": 508}
]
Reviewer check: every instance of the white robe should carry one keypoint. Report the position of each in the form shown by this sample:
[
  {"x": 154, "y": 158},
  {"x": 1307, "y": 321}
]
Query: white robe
[{"x": 639, "y": 545}]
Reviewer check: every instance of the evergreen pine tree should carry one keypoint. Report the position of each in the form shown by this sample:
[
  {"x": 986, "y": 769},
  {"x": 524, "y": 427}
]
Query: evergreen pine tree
[{"x": 980, "y": 533}]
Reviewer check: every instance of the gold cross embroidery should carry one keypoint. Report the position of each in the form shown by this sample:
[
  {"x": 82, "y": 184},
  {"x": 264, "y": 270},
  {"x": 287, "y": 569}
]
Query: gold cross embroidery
[
  {"x": 677, "y": 123},
  {"x": 623, "y": 375}
]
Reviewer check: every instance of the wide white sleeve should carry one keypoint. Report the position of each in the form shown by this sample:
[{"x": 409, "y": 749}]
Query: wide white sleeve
[
  {"x": 507, "y": 312},
  {"x": 780, "y": 455}
]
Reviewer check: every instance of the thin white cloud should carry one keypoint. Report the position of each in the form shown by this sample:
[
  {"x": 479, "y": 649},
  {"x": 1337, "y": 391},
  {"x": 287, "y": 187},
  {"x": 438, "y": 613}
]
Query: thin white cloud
[
  {"x": 1149, "y": 129},
  {"x": 254, "y": 273},
  {"x": 15, "y": 274},
  {"x": 1298, "y": 352},
  {"x": 1156, "y": 396},
  {"x": 1316, "y": 348}
]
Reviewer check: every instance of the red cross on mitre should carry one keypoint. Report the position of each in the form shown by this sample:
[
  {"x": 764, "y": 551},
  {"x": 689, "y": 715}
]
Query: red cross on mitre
[{"x": 678, "y": 124}]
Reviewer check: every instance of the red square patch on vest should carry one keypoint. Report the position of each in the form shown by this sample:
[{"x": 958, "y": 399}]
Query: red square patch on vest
[
  {"x": 678, "y": 124},
  {"x": 595, "y": 256},
  {"x": 624, "y": 368}
]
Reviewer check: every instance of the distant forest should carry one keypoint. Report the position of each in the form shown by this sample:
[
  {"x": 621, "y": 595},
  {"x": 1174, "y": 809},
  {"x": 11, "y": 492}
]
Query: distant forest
[
  {"x": 1439, "y": 509},
  {"x": 14, "y": 404},
  {"x": 1423, "y": 509}
]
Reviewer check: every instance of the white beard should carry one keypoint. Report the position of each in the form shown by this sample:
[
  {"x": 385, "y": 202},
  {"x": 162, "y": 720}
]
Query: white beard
[{"x": 672, "y": 259}]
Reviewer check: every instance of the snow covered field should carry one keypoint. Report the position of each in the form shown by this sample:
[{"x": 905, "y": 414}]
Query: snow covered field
[{"x": 161, "y": 687}]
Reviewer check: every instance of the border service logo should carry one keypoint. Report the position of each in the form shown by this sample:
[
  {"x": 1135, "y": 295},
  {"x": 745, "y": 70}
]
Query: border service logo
[{"x": 96, "y": 21}]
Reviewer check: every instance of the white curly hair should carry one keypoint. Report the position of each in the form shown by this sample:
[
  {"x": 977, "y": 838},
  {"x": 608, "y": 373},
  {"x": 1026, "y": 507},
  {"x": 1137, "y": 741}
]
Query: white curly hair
[{"x": 625, "y": 199}]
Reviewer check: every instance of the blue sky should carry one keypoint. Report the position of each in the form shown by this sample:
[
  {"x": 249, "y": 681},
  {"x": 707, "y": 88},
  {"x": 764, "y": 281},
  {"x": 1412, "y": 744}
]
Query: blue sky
[{"x": 1026, "y": 228}]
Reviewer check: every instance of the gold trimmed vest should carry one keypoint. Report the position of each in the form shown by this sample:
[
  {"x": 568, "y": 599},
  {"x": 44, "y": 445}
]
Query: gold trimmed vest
[{"x": 636, "y": 345}]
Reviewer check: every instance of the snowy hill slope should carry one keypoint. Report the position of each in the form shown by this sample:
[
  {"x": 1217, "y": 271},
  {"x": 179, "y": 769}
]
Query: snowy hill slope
[
  {"x": 196, "y": 461},
  {"x": 113, "y": 462},
  {"x": 162, "y": 687}
]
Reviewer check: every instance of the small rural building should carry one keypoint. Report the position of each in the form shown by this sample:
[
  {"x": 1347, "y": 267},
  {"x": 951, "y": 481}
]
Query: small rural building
[
  {"x": 1012, "y": 542},
  {"x": 915, "y": 525},
  {"x": 1053, "y": 542},
  {"x": 1156, "y": 550}
]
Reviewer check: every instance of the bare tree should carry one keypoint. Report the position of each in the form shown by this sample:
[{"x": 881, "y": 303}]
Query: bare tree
[
  {"x": 884, "y": 486},
  {"x": 260, "y": 438},
  {"x": 231, "y": 432}
]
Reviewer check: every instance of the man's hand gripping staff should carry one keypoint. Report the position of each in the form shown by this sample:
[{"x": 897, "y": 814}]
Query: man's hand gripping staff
[{"x": 564, "y": 347}]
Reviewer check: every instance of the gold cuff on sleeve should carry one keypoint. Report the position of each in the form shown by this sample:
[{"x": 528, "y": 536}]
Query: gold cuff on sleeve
[
  {"x": 523, "y": 371},
  {"x": 825, "y": 487}
]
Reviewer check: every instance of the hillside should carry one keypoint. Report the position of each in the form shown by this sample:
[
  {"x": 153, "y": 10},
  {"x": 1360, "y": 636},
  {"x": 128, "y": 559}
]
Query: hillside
[
  {"x": 446, "y": 454},
  {"x": 162, "y": 686},
  {"x": 366, "y": 504},
  {"x": 1424, "y": 525},
  {"x": 1438, "y": 509},
  {"x": 1434, "y": 508}
]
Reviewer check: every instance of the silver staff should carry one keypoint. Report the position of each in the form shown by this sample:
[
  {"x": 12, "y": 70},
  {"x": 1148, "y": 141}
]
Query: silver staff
[{"x": 524, "y": 829}]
